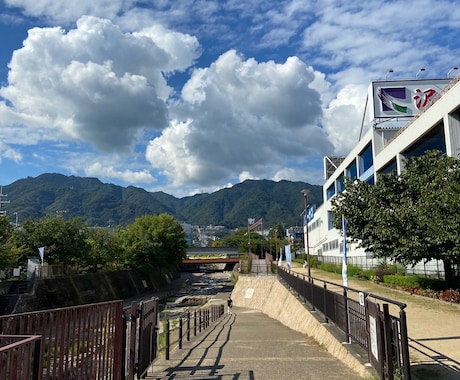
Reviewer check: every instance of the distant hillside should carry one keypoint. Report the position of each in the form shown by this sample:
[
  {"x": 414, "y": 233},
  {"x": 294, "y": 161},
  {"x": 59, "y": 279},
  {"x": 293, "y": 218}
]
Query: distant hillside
[{"x": 100, "y": 204}]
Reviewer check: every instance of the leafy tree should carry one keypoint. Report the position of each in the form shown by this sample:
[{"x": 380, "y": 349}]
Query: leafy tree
[
  {"x": 105, "y": 250},
  {"x": 155, "y": 241},
  {"x": 233, "y": 239},
  {"x": 9, "y": 252},
  {"x": 64, "y": 241},
  {"x": 409, "y": 218}
]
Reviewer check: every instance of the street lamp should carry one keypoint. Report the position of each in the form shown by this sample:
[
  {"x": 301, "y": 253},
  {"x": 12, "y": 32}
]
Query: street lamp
[
  {"x": 421, "y": 70},
  {"x": 452, "y": 69},
  {"x": 390, "y": 71},
  {"x": 305, "y": 229}
]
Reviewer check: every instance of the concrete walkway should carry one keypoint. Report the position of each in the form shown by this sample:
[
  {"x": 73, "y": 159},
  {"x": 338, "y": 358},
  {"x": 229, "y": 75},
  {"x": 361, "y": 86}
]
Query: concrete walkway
[{"x": 250, "y": 345}]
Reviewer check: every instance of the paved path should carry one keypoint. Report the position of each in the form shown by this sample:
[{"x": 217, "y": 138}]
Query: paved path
[
  {"x": 250, "y": 345},
  {"x": 433, "y": 327}
]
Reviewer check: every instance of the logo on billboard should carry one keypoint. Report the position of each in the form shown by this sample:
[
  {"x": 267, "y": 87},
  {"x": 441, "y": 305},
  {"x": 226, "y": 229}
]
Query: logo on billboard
[{"x": 403, "y": 98}]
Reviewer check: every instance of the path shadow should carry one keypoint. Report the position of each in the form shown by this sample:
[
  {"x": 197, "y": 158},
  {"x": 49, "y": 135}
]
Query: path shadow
[
  {"x": 438, "y": 365},
  {"x": 433, "y": 371},
  {"x": 215, "y": 338}
]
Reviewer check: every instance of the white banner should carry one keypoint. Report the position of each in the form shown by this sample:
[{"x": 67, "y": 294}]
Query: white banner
[
  {"x": 41, "y": 252},
  {"x": 287, "y": 250}
]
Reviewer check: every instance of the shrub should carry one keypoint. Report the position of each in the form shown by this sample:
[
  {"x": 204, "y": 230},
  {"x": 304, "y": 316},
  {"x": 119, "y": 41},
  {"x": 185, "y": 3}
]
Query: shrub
[
  {"x": 354, "y": 271},
  {"x": 450, "y": 295},
  {"x": 401, "y": 281},
  {"x": 368, "y": 274},
  {"x": 329, "y": 267}
]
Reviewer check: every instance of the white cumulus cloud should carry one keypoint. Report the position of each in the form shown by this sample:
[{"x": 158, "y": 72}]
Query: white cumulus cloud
[
  {"x": 96, "y": 83},
  {"x": 238, "y": 117}
]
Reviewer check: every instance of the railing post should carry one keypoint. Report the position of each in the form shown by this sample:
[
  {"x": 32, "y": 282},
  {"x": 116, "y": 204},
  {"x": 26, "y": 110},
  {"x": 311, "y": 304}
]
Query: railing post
[
  {"x": 167, "y": 339},
  {"x": 200, "y": 320},
  {"x": 311, "y": 294},
  {"x": 188, "y": 325},
  {"x": 404, "y": 344},
  {"x": 194, "y": 323},
  {"x": 326, "y": 319},
  {"x": 388, "y": 343},
  {"x": 38, "y": 360},
  {"x": 180, "y": 333},
  {"x": 347, "y": 322}
]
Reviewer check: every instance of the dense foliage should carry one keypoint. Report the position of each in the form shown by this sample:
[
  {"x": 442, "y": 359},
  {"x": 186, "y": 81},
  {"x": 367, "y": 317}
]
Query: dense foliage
[
  {"x": 409, "y": 218},
  {"x": 254, "y": 242},
  {"x": 103, "y": 205},
  {"x": 155, "y": 241},
  {"x": 150, "y": 242}
]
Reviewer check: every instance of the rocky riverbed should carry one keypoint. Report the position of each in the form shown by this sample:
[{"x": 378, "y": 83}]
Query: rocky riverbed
[{"x": 197, "y": 289}]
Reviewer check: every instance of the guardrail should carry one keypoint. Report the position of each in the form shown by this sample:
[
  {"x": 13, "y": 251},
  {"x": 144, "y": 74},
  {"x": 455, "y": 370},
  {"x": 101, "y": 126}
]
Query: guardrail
[
  {"x": 20, "y": 357},
  {"x": 181, "y": 327},
  {"x": 78, "y": 342},
  {"x": 354, "y": 312}
]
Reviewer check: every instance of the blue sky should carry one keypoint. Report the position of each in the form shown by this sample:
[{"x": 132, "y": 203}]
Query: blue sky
[{"x": 192, "y": 96}]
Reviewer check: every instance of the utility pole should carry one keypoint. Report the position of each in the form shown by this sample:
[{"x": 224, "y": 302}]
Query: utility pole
[{"x": 305, "y": 229}]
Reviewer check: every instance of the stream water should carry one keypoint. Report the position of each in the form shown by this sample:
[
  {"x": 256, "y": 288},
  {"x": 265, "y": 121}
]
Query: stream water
[{"x": 199, "y": 288}]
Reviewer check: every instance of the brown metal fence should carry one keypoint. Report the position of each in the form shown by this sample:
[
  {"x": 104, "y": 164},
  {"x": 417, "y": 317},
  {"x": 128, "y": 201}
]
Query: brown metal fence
[
  {"x": 81, "y": 342},
  {"x": 20, "y": 357},
  {"x": 384, "y": 336},
  {"x": 96, "y": 341}
]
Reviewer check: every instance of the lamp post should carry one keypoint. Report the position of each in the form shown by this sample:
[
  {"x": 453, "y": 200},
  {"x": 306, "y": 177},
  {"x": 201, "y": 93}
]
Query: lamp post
[
  {"x": 452, "y": 69},
  {"x": 305, "y": 229},
  {"x": 421, "y": 70}
]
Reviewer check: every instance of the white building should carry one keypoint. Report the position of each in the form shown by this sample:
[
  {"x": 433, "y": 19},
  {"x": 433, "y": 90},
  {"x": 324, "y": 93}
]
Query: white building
[{"x": 428, "y": 114}]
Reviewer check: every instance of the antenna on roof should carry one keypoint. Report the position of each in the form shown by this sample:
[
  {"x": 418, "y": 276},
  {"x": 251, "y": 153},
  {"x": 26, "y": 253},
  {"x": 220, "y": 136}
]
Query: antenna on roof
[{"x": 362, "y": 121}]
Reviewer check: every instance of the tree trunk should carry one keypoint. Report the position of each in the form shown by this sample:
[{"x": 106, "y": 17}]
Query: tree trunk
[{"x": 448, "y": 271}]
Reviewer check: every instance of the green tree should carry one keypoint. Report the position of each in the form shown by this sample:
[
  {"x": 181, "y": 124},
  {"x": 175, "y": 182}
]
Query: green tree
[
  {"x": 409, "y": 218},
  {"x": 9, "y": 252},
  {"x": 64, "y": 241},
  {"x": 105, "y": 250},
  {"x": 155, "y": 241},
  {"x": 237, "y": 239}
]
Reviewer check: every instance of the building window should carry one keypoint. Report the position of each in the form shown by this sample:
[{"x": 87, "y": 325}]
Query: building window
[
  {"x": 340, "y": 184},
  {"x": 391, "y": 167},
  {"x": 433, "y": 140},
  {"x": 330, "y": 220},
  {"x": 330, "y": 192},
  {"x": 352, "y": 171},
  {"x": 366, "y": 160}
]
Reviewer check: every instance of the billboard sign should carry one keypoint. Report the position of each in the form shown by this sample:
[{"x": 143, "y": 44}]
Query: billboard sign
[{"x": 390, "y": 99}]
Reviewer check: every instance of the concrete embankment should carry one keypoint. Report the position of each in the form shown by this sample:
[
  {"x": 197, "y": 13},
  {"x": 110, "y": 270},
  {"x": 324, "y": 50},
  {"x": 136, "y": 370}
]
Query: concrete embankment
[{"x": 267, "y": 294}]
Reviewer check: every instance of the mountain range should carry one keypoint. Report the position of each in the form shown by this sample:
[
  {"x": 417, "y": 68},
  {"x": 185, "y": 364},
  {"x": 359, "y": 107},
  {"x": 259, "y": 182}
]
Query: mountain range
[{"x": 101, "y": 204}]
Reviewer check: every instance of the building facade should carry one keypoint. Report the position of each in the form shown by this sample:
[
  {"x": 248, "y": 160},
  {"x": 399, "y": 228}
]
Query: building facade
[{"x": 428, "y": 114}]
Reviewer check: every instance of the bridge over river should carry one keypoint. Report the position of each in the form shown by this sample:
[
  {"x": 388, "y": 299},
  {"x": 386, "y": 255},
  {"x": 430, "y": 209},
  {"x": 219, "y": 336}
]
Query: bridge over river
[{"x": 198, "y": 256}]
